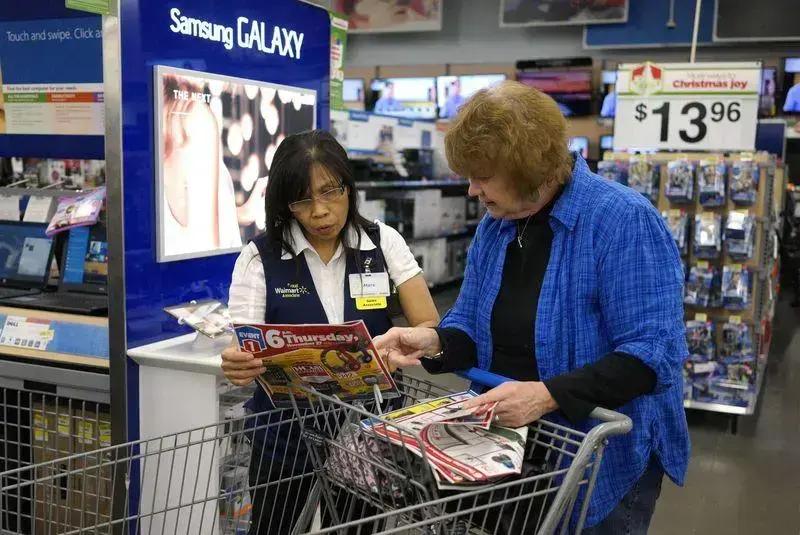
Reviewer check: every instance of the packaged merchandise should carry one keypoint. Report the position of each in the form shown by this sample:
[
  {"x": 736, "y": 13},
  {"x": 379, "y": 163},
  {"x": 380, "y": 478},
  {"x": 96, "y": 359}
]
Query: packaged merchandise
[
  {"x": 735, "y": 287},
  {"x": 711, "y": 182},
  {"x": 700, "y": 339},
  {"x": 77, "y": 211},
  {"x": 33, "y": 171},
  {"x": 707, "y": 235},
  {"x": 736, "y": 346},
  {"x": 613, "y": 170},
  {"x": 744, "y": 182},
  {"x": 74, "y": 177},
  {"x": 52, "y": 172},
  {"x": 703, "y": 286},
  {"x": 680, "y": 182},
  {"x": 708, "y": 390},
  {"x": 94, "y": 172},
  {"x": 678, "y": 223},
  {"x": 643, "y": 176},
  {"x": 740, "y": 235}
]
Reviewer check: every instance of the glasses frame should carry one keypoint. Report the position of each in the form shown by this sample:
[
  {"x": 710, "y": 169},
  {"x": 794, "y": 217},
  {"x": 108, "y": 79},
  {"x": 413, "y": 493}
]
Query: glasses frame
[{"x": 326, "y": 197}]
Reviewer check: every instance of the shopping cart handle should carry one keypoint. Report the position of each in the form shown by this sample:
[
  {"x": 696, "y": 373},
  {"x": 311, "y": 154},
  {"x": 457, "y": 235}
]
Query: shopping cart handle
[{"x": 482, "y": 377}]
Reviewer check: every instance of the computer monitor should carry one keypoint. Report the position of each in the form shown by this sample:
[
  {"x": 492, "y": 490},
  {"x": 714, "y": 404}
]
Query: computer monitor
[
  {"x": 25, "y": 254},
  {"x": 579, "y": 144},
  {"x": 85, "y": 264},
  {"x": 410, "y": 98},
  {"x": 791, "y": 86},
  {"x": 453, "y": 91},
  {"x": 606, "y": 142},
  {"x": 571, "y": 89},
  {"x": 767, "y": 103},
  {"x": 353, "y": 94}
]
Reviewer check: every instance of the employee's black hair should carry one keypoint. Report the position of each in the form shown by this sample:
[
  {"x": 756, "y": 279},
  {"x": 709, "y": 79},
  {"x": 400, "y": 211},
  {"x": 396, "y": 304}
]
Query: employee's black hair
[{"x": 290, "y": 181}]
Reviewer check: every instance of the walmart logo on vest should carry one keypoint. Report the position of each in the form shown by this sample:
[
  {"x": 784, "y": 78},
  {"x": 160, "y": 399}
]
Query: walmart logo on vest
[
  {"x": 251, "y": 339},
  {"x": 292, "y": 291}
]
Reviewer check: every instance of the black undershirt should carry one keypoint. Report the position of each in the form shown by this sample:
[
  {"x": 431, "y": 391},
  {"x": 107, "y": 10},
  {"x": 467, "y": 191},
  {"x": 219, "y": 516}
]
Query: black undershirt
[{"x": 610, "y": 382}]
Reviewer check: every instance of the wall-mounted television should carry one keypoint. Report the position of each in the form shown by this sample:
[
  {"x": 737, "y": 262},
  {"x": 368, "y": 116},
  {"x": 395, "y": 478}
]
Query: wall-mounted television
[
  {"x": 353, "y": 94},
  {"x": 453, "y": 91},
  {"x": 579, "y": 144},
  {"x": 215, "y": 139},
  {"x": 791, "y": 85},
  {"x": 411, "y": 98},
  {"x": 570, "y": 88},
  {"x": 608, "y": 107}
]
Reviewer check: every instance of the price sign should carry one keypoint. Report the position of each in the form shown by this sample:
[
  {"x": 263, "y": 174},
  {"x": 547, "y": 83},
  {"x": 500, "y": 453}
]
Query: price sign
[
  {"x": 686, "y": 106},
  {"x": 26, "y": 333}
]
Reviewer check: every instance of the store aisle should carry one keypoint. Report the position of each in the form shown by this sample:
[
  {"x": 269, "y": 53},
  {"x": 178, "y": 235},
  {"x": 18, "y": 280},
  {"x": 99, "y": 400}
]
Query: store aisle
[
  {"x": 737, "y": 484},
  {"x": 746, "y": 483}
]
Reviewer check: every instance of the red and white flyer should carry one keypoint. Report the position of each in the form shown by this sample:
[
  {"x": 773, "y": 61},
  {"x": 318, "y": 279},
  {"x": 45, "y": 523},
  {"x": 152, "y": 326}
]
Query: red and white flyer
[{"x": 337, "y": 360}]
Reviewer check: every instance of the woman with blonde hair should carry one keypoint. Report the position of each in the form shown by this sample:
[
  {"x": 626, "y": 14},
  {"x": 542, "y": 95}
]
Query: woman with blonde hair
[{"x": 574, "y": 289}]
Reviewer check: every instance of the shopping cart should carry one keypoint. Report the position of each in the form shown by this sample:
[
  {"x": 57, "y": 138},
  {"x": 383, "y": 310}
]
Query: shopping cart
[{"x": 311, "y": 468}]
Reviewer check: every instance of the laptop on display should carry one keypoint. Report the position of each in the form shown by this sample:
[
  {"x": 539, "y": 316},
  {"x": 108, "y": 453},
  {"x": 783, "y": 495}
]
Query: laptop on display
[
  {"x": 83, "y": 286},
  {"x": 26, "y": 253}
]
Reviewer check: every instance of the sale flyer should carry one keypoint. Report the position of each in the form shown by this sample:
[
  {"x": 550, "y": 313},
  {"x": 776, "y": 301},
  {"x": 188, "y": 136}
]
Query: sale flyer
[{"x": 338, "y": 360}]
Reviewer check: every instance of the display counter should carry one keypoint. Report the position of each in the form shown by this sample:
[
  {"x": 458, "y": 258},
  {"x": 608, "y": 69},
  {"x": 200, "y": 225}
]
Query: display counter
[{"x": 178, "y": 383}]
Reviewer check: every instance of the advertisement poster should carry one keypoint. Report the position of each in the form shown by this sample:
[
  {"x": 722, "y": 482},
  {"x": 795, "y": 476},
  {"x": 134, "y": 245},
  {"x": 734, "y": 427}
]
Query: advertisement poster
[
  {"x": 333, "y": 359},
  {"x": 338, "y": 47},
  {"x": 220, "y": 134},
  {"x": 562, "y": 12},
  {"x": 42, "y": 93},
  {"x": 687, "y": 106},
  {"x": 375, "y": 16}
]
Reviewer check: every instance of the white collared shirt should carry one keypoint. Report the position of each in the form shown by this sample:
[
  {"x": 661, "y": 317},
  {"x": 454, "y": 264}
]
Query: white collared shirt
[{"x": 248, "y": 295}]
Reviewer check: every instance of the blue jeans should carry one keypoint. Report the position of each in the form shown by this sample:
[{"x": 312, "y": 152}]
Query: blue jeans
[{"x": 632, "y": 515}]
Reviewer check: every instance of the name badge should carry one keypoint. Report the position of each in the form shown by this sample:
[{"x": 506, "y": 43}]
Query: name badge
[
  {"x": 369, "y": 285},
  {"x": 371, "y": 303}
]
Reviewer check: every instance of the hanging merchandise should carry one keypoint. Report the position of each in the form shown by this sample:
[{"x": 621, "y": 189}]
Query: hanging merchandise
[
  {"x": 711, "y": 182},
  {"x": 707, "y": 235},
  {"x": 740, "y": 235},
  {"x": 737, "y": 342},
  {"x": 703, "y": 286},
  {"x": 680, "y": 184},
  {"x": 678, "y": 223},
  {"x": 700, "y": 340},
  {"x": 735, "y": 287},
  {"x": 613, "y": 170},
  {"x": 744, "y": 182},
  {"x": 643, "y": 176}
]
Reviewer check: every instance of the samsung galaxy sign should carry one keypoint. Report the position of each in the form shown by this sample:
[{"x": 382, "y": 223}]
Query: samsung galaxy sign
[{"x": 249, "y": 34}]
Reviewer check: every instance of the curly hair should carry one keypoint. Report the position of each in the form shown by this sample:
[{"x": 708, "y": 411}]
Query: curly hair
[{"x": 513, "y": 128}]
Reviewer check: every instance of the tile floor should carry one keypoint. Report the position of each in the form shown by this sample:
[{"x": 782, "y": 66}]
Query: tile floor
[{"x": 748, "y": 483}]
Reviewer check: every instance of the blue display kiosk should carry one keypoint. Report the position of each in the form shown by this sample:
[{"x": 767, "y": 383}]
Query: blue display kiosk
[{"x": 221, "y": 58}]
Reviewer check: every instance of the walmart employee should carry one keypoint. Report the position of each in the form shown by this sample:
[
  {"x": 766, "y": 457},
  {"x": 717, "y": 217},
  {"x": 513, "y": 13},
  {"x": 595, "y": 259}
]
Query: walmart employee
[{"x": 315, "y": 240}]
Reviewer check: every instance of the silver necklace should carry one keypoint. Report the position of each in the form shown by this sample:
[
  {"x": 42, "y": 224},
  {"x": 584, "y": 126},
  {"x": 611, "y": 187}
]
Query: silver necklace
[{"x": 520, "y": 235}]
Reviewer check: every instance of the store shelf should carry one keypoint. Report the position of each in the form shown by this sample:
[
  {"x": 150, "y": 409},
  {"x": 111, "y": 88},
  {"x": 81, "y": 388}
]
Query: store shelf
[
  {"x": 730, "y": 409},
  {"x": 448, "y": 234},
  {"x": 412, "y": 184}
]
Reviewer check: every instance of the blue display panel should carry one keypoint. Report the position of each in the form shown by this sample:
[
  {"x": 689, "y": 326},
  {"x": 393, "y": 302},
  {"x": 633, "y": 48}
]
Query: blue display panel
[
  {"x": 246, "y": 40},
  {"x": 647, "y": 26},
  {"x": 43, "y": 42}
]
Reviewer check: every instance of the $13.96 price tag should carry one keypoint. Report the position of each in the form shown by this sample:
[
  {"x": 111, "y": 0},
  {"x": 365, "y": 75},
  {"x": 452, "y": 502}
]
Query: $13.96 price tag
[{"x": 702, "y": 106}]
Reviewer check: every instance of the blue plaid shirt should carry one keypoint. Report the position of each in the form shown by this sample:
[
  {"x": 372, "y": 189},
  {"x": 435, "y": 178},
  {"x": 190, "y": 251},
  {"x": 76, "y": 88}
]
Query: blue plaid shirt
[{"x": 614, "y": 282}]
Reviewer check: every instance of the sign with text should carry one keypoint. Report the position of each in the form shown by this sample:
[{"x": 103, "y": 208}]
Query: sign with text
[
  {"x": 687, "y": 106},
  {"x": 51, "y": 73}
]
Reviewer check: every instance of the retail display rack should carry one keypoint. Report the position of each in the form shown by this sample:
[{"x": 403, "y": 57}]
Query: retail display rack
[{"x": 725, "y": 226}]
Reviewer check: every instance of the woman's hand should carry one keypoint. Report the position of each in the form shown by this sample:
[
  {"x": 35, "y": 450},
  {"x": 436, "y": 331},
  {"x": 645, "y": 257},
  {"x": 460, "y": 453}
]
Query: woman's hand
[
  {"x": 403, "y": 346},
  {"x": 518, "y": 403},
  {"x": 239, "y": 367}
]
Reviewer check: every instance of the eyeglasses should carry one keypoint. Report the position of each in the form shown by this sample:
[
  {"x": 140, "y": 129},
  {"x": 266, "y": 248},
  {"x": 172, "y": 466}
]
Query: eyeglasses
[{"x": 325, "y": 197}]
